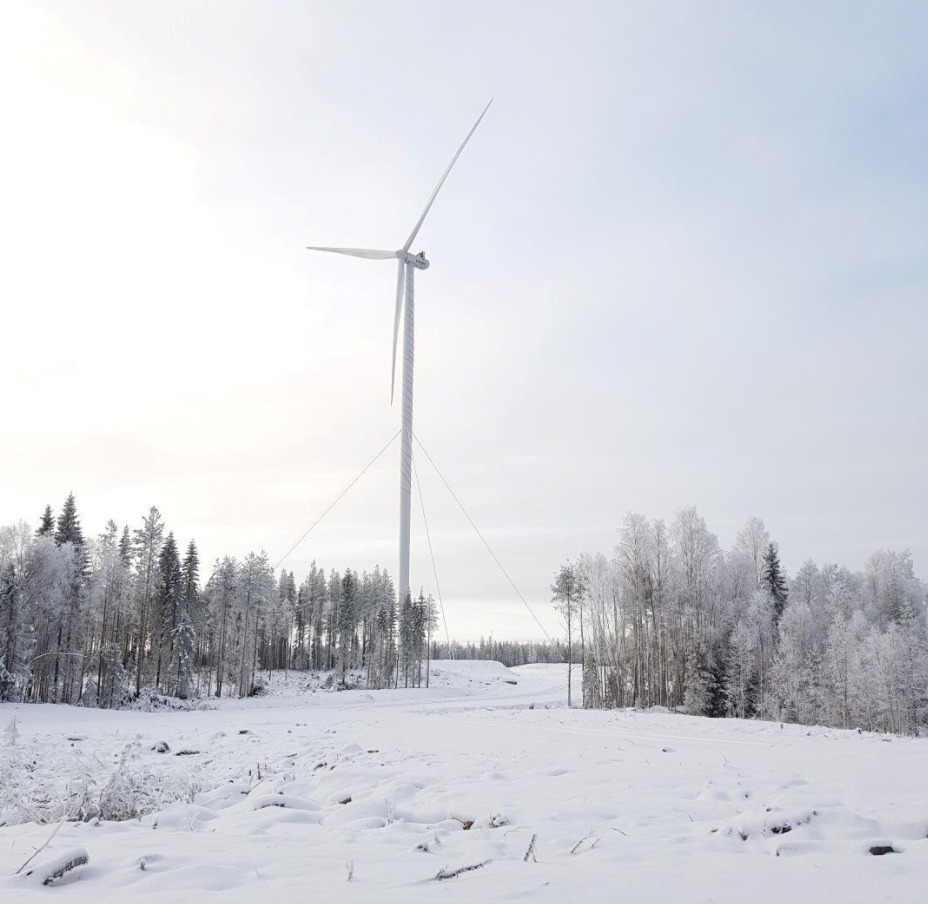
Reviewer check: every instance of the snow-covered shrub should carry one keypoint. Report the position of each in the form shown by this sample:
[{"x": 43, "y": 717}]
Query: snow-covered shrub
[
  {"x": 40, "y": 783},
  {"x": 148, "y": 700},
  {"x": 133, "y": 791},
  {"x": 9, "y": 773},
  {"x": 7, "y": 683},
  {"x": 119, "y": 797}
]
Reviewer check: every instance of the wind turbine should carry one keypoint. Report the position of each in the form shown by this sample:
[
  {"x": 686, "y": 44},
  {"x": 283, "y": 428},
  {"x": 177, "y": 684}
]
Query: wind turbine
[{"x": 406, "y": 269}]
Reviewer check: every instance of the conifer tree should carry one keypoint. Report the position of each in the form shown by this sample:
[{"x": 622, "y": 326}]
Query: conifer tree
[
  {"x": 125, "y": 546},
  {"x": 347, "y": 621},
  {"x": 169, "y": 602},
  {"x": 68, "y": 534},
  {"x": 147, "y": 543},
  {"x": 47, "y": 523},
  {"x": 190, "y": 578},
  {"x": 775, "y": 580},
  {"x": 332, "y": 616},
  {"x": 69, "y": 524},
  {"x": 319, "y": 605}
]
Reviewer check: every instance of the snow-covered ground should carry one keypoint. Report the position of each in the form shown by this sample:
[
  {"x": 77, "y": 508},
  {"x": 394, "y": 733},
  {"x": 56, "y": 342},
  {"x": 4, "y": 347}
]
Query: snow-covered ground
[{"x": 296, "y": 791}]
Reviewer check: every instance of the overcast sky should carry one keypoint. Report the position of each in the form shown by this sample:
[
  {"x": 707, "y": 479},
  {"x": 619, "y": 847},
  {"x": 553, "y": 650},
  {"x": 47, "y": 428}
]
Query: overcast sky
[{"x": 683, "y": 261}]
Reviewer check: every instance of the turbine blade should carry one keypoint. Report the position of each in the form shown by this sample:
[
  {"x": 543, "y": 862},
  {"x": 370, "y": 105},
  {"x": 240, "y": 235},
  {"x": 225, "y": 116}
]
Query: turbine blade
[
  {"x": 414, "y": 233},
  {"x": 369, "y": 253},
  {"x": 400, "y": 273}
]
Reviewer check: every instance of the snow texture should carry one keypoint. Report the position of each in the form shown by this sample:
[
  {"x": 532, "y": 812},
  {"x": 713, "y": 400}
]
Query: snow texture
[{"x": 374, "y": 795}]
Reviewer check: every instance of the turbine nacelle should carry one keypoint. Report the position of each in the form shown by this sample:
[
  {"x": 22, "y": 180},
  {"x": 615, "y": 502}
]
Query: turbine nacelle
[{"x": 414, "y": 260}]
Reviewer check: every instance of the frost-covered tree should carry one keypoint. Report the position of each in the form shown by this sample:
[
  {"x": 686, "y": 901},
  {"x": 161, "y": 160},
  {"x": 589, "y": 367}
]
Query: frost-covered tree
[
  {"x": 110, "y": 609},
  {"x": 44, "y": 573},
  {"x": 752, "y": 645},
  {"x": 796, "y": 673},
  {"x": 222, "y": 592},
  {"x": 633, "y": 556},
  {"x": 346, "y": 623},
  {"x": 670, "y": 618},
  {"x": 417, "y": 619},
  {"x": 889, "y": 585},
  {"x": 566, "y": 592},
  {"x": 382, "y": 660},
  {"x": 190, "y": 578},
  {"x": 604, "y": 664},
  {"x": 407, "y": 640},
  {"x": 14, "y": 664},
  {"x": 751, "y": 544},
  {"x": 169, "y": 603},
  {"x": 698, "y": 607},
  {"x": 256, "y": 591},
  {"x": 697, "y": 699},
  {"x": 146, "y": 548},
  {"x": 183, "y": 649},
  {"x": 114, "y": 689},
  {"x": 320, "y": 605},
  {"x": 70, "y": 663}
]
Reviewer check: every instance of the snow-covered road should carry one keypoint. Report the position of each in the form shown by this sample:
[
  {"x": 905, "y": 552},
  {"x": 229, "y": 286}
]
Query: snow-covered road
[{"x": 391, "y": 787}]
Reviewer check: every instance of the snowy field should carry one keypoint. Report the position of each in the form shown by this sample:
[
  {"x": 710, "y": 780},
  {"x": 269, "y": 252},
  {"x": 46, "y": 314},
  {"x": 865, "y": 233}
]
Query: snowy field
[{"x": 370, "y": 796}]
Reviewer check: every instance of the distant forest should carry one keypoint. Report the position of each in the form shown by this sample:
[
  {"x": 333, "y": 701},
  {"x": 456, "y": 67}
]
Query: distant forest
[
  {"x": 672, "y": 619},
  {"x": 94, "y": 621}
]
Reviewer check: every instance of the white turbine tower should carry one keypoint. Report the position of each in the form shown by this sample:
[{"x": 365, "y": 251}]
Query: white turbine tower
[{"x": 407, "y": 266}]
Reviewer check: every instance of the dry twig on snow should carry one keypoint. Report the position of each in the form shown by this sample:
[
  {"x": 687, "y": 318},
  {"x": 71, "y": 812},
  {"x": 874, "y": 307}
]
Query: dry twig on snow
[
  {"x": 586, "y": 837},
  {"x": 531, "y": 851},
  {"x": 454, "y": 873},
  {"x": 39, "y": 850}
]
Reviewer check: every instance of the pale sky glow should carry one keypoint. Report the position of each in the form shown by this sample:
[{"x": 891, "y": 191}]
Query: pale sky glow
[{"x": 683, "y": 261}]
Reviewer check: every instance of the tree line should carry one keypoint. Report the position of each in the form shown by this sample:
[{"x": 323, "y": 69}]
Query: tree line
[
  {"x": 672, "y": 619},
  {"x": 510, "y": 653},
  {"x": 94, "y": 621}
]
